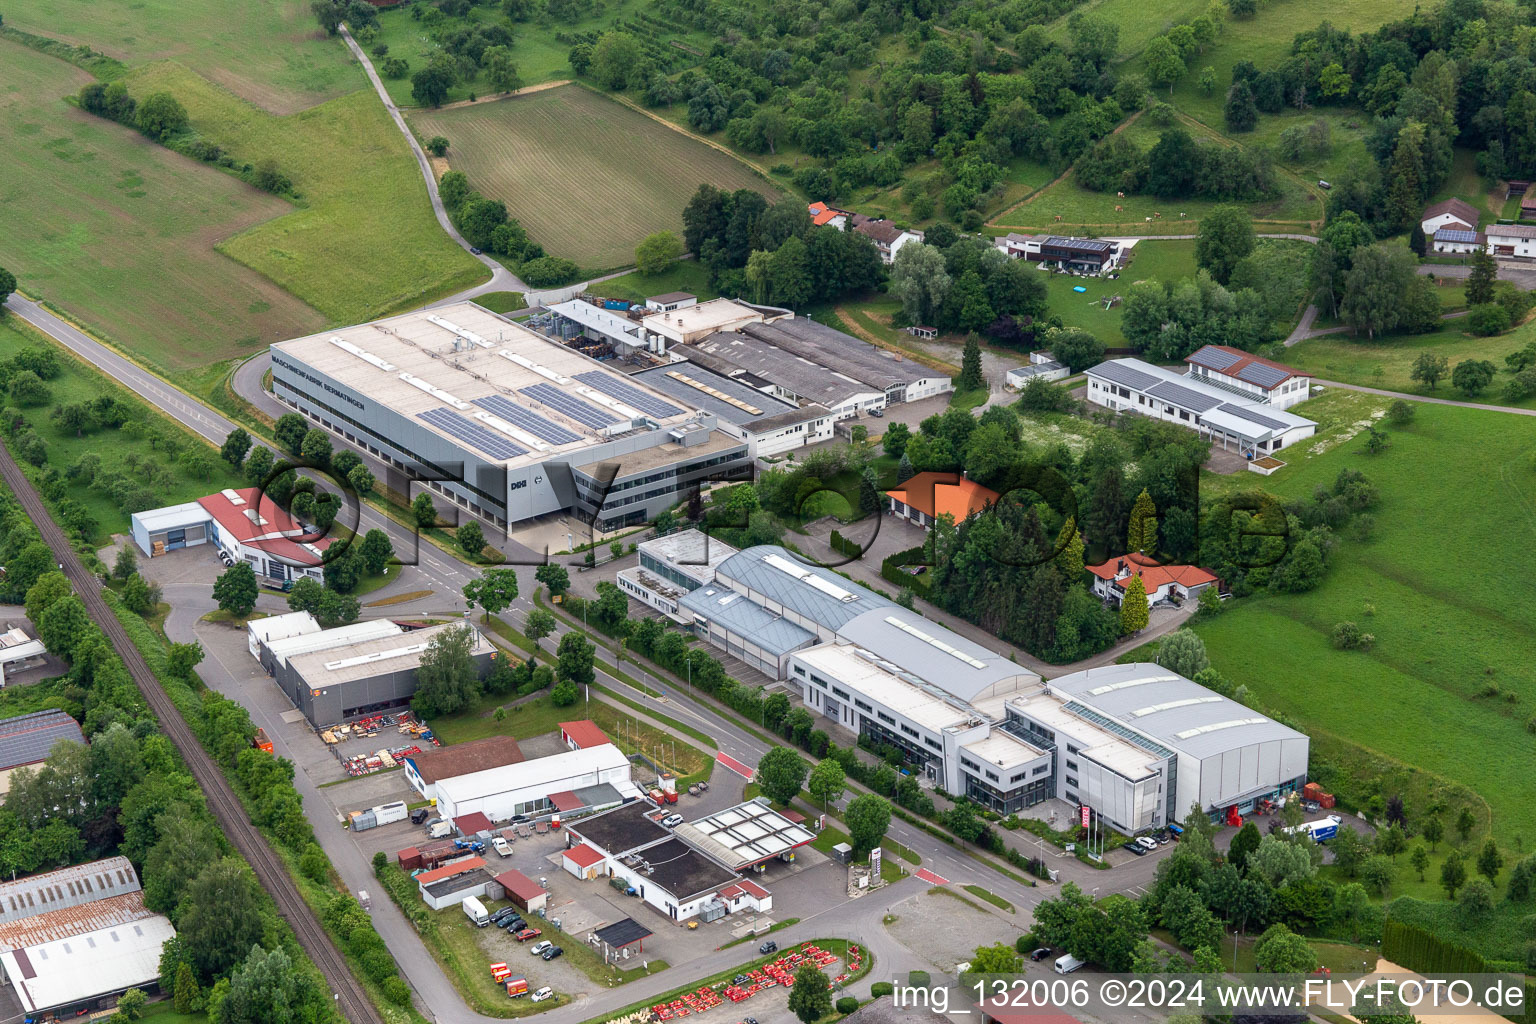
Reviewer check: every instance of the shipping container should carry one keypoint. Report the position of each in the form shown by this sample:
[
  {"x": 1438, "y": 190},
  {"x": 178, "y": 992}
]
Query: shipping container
[
  {"x": 261, "y": 742},
  {"x": 362, "y": 821},
  {"x": 409, "y": 858}
]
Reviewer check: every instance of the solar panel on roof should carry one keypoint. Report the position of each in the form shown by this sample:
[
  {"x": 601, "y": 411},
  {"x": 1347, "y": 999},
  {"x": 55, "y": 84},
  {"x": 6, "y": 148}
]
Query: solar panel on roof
[
  {"x": 1186, "y": 397},
  {"x": 575, "y": 408},
  {"x": 1247, "y": 413},
  {"x": 628, "y": 394},
  {"x": 1262, "y": 375},
  {"x": 531, "y": 422},
  {"x": 1215, "y": 358},
  {"x": 1122, "y": 374},
  {"x": 467, "y": 430},
  {"x": 1455, "y": 235}
]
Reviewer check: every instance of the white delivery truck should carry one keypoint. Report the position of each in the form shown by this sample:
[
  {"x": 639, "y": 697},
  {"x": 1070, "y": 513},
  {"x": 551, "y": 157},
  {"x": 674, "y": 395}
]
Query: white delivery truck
[
  {"x": 388, "y": 814},
  {"x": 476, "y": 912},
  {"x": 1067, "y": 964}
]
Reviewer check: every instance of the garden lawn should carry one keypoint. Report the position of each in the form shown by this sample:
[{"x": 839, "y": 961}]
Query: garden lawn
[
  {"x": 364, "y": 241},
  {"x": 273, "y": 53},
  {"x": 1139, "y": 23},
  {"x": 1388, "y": 363},
  {"x": 1450, "y": 618},
  {"x": 540, "y": 715},
  {"x": 683, "y": 276},
  {"x": 1150, "y": 260},
  {"x": 80, "y": 383},
  {"x": 587, "y": 176},
  {"x": 1264, "y": 39},
  {"x": 121, "y": 234}
]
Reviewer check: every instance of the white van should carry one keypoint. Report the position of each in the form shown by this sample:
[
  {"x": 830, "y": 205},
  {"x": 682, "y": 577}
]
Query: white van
[
  {"x": 1067, "y": 964},
  {"x": 476, "y": 912}
]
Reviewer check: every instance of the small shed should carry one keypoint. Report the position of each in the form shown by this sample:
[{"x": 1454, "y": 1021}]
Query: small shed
[
  {"x": 583, "y": 862},
  {"x": 582, "y": 734},
  {"x": 843, "y": 852},
  {"x": 747, "y": 895},
  {"x": 621, "y": 938},
  {"x": 523, "y": 891},
  {"x": 472, "y": 824}
]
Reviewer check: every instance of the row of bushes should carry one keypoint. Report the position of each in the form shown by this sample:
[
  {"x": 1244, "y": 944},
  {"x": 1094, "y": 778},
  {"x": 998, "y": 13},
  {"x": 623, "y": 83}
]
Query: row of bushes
[
  {"x": 485, "y": 224},
  {"x": 891, "y": 569},
  {"x": 162, "y": 118},
  {"x": 1410, "y": 946}
]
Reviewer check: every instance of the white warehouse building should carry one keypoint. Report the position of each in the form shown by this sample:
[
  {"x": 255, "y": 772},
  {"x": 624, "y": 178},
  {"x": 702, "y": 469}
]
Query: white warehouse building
[{"x": 526, "y": 787}]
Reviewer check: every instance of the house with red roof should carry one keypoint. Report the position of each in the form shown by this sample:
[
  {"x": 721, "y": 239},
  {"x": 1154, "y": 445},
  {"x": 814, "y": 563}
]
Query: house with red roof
[
  {"x": 1162, "y": 582},
  {"x": 1249, "y": 376},
  {"x": 745, "y": 894},
  {"x": 245, "y": 524},
  {"x": 926, "y": 496},
  {"x": 583, "y": 861}
]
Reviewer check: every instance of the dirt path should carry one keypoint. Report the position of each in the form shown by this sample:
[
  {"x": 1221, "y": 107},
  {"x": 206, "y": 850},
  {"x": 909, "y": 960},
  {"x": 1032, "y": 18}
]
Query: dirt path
[
  {"x": 526, "y": 90},
  {"x": 859, "y": 330}
]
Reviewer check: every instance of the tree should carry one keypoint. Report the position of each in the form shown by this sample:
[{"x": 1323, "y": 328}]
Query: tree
[
  {"x": 1241, "y": 111},
  {"x": 781, "y": 773},
  {"x": 1349, "y": 851},
  {"x": 1428, "y": 368},
  {"x": 50, "y": 587},
  {"x": 266, "y": 988},
  {"x": 539, "y": 624},
  {"x": 573, "y": 659},
  {"x": 657, "y": 252},
  {"x": 220, "y": 917},
  {"x": 161, "y": 116},
  {"x": 811, "y": 997},
  {"x": 1434, "y": 831},
  {"x": 289, "y": 430},
  {"x": 1226, "y": 237},
  {"x": 564, "y": 694},
  {"x": 615, "y": 59},
  {"x": 1419, "y": 858},
  {"x": 131, "y": 1004},
  {"x": 971, "y": 378},
  {"x": 1391, "y": 840},
  {"x": 1480, "y": 281},
  {"x": 920, "y": 280},
  {"x": 315, "y": 449},
  {"x": 554, "y": 577},
  {"x": 1377, "y": 873},
  {"x": 827, "y": 782},
  {"x": 1165, "y": 65},
  {"x": 1489, "y": 860},
  {"x": 423, "y": 511},
  {"x": 1133, "y": 607},
  {"x": 140, "y": 595},
  {"x": 437, "y": 145},
  {"x": 181, "y": 659},
  {"x": 236, "y": 591},
  {"x": 258, "y": 465},
  {"x": 867, "y": 817},
  {"x": 1472, "y": 376},
  {"x": 1377, "y": 281},
  {"x": 1183, "y": 651},
  {"x": 1075, "y": 347},
  {"x": 7, "y": 284},
  {"x": 430, "y": 85},
  {"x": 996, "y": 959},
  {"x": 1244, "y": 843},
  {"x": 1281, "y": 951},
  {"x": 1475, "y": 904},
  {"x": 375, "y": 551},
  {"x": 1281, "y": 861},
  {"x": 235, "y": 447},
  {"x": 27, "y": 388},
  {"x": 1416, "y": 240},
  {"x": 336, "y": 609},
  {"x": 500, "y": 69},
  {"x": 1141, "y": 536},
  {"x": 471, "y": 538},
  {"x": 1465, "y": 822},
  {"x": 447, "y": 679},
  {"x": 188, "y": 997},
  {"x": 1453, "y": 873}
]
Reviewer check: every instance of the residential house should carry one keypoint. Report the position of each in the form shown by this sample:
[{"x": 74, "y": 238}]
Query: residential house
[
  {"x": 1162, "y": 582},
  {"x": 1459, "y": 241},
  {"x": 926, "y": 496},
  {"x": 1452, "y": 213},
  {"x": 1251, "y": 376},
  {"x": 888, "y": 238},
  {"x": 1512, "y": 240}
]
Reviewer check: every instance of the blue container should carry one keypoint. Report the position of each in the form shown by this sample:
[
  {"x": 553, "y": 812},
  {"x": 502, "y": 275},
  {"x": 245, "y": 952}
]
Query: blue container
[{"x": 1078, "y": 288}]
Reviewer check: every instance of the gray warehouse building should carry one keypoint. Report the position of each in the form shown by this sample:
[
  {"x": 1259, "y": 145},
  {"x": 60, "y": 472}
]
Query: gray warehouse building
[
  {"x": 343, "y": 682},
  {"x": 515, "y": 425}
]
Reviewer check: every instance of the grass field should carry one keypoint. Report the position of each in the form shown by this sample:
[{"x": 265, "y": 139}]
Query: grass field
[
  {"x": 683, "y": 276},
  {"x": 273, "y": 53},
  {"x": 364, "y": 242},
  {"x": 1138, "y": 22},
  {"x": 1161, "y": 261},
  {"x": 123, "y": 236},
  {"x": 1457, "y": 489},
  {"x": 588, "y": 177},
  {"x": 1388, "y": 363},
  {"x": 79, "y": 383}
]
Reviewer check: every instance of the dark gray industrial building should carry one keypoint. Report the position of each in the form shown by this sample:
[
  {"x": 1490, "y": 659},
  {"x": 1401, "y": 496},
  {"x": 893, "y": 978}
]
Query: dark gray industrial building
[{"x": 334, "y": 685}]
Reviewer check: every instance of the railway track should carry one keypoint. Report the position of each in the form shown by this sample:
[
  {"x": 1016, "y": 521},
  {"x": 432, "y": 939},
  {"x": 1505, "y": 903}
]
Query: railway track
[{"x": 350, "y": 999}]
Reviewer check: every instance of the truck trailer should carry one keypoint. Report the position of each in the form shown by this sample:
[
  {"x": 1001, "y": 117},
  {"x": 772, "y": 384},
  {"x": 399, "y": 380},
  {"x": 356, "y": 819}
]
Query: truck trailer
[
  {"x": 1321, "y": 830},
  {"x": 373, "y": 817}
]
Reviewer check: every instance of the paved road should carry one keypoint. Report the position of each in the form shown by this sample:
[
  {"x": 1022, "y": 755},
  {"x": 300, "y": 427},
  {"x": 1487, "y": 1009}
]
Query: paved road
[
  {"x": 502, "y": 279},
  {"x": 1304, "y": 330}
]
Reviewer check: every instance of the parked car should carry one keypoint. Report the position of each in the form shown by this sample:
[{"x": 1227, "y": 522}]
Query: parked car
[
  {"x": 475, "y": 251},
  {"x": 501, "y": 916},
  {"x": 672, "y": 821},
  {"x": 543, "y": 994},
  {"x": 1164, "y": 838},
  {"x": 514, "y": 924},
  {"x": 541, "y": 947},
  {"x": 501, "y": 846},
  {"x": 876, "y": 413},
  {"x": 1039, "y": 954},
  {"x": 531, "y": 933},
  {"x": 768, "y": 947},
  {"x": 552, "y": 952},
  {"x": 1134, "y": 847},
  {"x": 1146, "y": 843},
  {"x": 420, "y": 815}
]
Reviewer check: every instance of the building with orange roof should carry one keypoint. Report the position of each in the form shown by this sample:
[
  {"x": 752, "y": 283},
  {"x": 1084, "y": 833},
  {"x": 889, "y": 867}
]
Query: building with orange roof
[
  {"x": 1162, "y": 582},
  {"x": 926, "y": 496},
  {"x": 825, "y": 213}
]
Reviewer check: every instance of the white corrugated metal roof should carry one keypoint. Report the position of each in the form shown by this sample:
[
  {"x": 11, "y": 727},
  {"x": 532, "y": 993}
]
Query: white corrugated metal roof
[
  {"x": 69, "y": 970},
  {"x": 326, "y": 639},
  {"x": 281, "y": 627},
  {"x": 543, "y": 771},
  {"x": 172, "y": 517}
]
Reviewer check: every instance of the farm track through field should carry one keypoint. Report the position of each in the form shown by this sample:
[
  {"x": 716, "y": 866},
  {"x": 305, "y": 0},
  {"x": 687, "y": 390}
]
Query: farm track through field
[{"x": 353, "y": 1003}]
